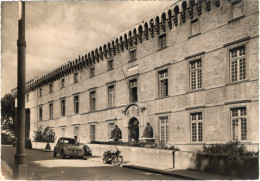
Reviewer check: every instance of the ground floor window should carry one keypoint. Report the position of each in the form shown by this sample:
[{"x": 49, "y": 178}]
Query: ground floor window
[
  {"x": 76, "y": 131},
  {"x": 111, "y": 127},
  {"x": 92, "y": 132},
  {"x": 196, "y": 127},
  {"x": 63, "y": 130},
  {"x": 164, "y": 130},
  {"x": 239, "y": 123}
]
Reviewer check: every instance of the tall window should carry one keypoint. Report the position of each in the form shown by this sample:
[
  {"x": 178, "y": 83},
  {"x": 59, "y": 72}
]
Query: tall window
[
  {"x": 40, "y": 92},
  {"x": 76, "y": 104},
  {"x": 195, "y": 75},
  {"x": 92, "y": 132},
  {"x": 92, "y": 70},
  {"x": 195, "y": 27},
  {"x": 111, "y": 96},
  {"x": 163, "y": 83},
  {"x": 76, "y": 131},
  {"x": 133, "y": 90},
  {"x": 51, "y": 87},
  {"x": 75, "y": 77},
  {"x": 196, "y": 127},
  {"x": 92, "y": 101},
  {"x": 238, "y": 64},
  {"x": 111, "y": 127},
  {"x": 133, "y": 55},
  {"x": 239, "y": 124},
  {"x": 27, "y": 97},
  {"x": 162, "y": 41},
  {"x": 40, "y": 113},
  {"x": 63, "y": 132},
  {"x": 164, "y": 130},
  {"x": 63, "y": 107},
  {"x": 62, "y": 83},
  {"x": 51, "y": 110},
  {"x": 110, "y": 64}
]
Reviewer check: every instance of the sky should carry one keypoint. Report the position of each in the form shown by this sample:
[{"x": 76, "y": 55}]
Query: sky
[{"x": 58, "y": 32}]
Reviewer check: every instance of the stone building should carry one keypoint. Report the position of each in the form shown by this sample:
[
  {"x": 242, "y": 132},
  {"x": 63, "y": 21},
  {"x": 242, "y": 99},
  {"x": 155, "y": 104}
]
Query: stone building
[{"x": 191, "y": 71}]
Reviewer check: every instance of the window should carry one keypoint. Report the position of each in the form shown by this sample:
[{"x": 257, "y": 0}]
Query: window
[
  {"x": 237, "y": 9},
  {"x": 92, "y": 101},
  {"x": 111, "y": 127},
  {"x": 63, "y": 132},
  {"x": 76, "y": 104},
  {"x": 111, "y": 96},
  {"x": 40, "y": 113},
  {"x": 110, "y": 64},
  {"x": 76, "y": 131},
  {"x": 27, "y": 97},
  {"x": 75, "y": 77},
  {"x": 51, "y": 110},
  {"x": 92, "y": 132},
  {"x": 132, "y": 55},
  {"x": 62, "y": 83},
  {"x": 51, "y": 87},
  {"x": 92, "y": 70},
  {"x": 195, "y": 75},
  {"x": 239, "y": 124},
  {"x": 163, "y": 83},
  {"x": 196, "y": 127},
  {"x": 195, "y": 27},
  {"x": 63, "y": 107},
  {"x": 162, "y": 41},
  {"x": 238, "y": 64},
  {"x": 40, "y": 92},
  {"x": 164, "y": 130},
  {"x": 133, "y": 90}
]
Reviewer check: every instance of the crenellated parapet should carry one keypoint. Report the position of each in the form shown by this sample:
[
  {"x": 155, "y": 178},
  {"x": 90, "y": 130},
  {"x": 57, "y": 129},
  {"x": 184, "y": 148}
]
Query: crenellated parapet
[{"x": 175, "y": 15}]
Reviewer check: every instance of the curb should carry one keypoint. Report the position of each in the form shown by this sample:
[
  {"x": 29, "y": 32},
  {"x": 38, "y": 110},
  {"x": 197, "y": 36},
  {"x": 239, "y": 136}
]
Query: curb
[
  {"x": 38, "y": 149},
  {"x": 160, "y": 172}
]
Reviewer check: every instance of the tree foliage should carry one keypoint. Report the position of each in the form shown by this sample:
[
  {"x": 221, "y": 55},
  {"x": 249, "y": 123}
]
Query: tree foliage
[
  {"x": 48, "y": 135},
  {"x": 8, "y": 114}
]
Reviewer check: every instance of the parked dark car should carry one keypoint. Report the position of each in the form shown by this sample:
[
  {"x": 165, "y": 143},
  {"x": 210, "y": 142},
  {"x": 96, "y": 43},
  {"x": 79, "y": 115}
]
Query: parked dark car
[
  {"x": 28, "y": 143},
  {"x": 68, "y": 147}
]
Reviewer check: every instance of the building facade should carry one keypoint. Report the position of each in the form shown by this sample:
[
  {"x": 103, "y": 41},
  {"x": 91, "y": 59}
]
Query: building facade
[{"x": 191, "y": 71}]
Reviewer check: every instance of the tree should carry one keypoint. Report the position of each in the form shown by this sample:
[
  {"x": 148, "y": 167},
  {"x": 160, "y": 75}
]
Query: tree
[{"x": 8, "y": 114}]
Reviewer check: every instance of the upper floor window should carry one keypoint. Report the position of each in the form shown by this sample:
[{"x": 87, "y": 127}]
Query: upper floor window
[
  {"x": 110, "y": 64},
  {"x": 162, "y": 41},
  {"x": 133, "y": 90},
  {"x": 27, "y": 97},
  {"x": 196, "y": 127},
  {"x": 111, "y": 96},
  {"x": 132, "y": 55},
  {"x": 92, "y": 101},
  {"x": 195, "y": 27},
  {"x": 195, "y": 74},
  {"x": 164, "y": 130},
  {"x": 75, "y": 77},
  {"x": 62, "y": 83},
  {"x": 40, "y": 113},
  {"x": 237, "y": 8},
  {"x": 51, "y": 87},
  {"x": 92, "y": 70},
  {"x": 76, "y": 104},
  {"x": 239, "y": 124},
  {"x": 163, "y": 83},
  {"x": 51, "y": 110},
  {"x": 63, "y": 107},
  {"x": 238, "y": 64},
  {"x": 40, "y": 92}
]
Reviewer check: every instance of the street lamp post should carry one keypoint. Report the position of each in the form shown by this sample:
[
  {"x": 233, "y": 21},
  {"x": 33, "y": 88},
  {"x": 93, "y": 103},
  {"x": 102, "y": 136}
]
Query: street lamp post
[{"x": 20, "y": 156}]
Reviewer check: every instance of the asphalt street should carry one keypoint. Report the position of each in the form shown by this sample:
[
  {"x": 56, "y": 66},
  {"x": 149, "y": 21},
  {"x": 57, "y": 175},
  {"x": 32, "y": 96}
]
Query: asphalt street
[{"x": 43, "y": 166}]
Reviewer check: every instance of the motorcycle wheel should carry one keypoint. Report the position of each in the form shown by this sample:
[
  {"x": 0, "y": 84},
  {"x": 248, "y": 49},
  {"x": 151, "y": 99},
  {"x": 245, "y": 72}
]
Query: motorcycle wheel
[{"x": 117, "y": 160}]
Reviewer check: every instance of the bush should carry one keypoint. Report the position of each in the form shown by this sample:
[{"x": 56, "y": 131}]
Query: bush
[{"x": 48, "y": 135}]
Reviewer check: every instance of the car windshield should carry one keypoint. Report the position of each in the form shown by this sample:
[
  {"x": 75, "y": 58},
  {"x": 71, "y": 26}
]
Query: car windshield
[{"x": 69, "y": 141}]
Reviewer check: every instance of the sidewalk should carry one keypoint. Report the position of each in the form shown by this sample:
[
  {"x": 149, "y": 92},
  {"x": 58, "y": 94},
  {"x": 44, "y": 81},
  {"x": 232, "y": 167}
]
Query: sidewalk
[{"x": 184, "y": 174}]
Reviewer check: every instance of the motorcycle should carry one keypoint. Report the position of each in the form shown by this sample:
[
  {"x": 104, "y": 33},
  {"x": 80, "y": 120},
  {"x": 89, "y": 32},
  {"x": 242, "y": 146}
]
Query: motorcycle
[{"x": 113, "y": 157}]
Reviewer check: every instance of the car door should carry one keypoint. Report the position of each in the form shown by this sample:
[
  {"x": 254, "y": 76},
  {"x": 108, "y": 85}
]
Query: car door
[{"x": 60, "y": 145}]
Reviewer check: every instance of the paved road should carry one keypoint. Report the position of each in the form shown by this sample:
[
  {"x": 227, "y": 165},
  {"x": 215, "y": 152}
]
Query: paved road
[{"x": 43, "y": 166}]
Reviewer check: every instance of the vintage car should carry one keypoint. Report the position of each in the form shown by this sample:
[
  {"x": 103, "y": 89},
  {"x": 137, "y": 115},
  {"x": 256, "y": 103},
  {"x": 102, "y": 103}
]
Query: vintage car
[
  {"x": 68, "y": 147},
  {"x": 28, "y": 143}
]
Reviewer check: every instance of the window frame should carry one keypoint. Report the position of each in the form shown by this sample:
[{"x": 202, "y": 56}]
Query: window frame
[
  {"x": 74, "y": 131},
  {"x": 130, "y": 89},
  {"x": 62, "y": 83},
  {"x": 92, "y": 105},
  {"x": 239, "y": 117},
  {"x": 27, "y": 97},
  {"x": 92, "y": 69},
  {"x": 75, "y": 77},
  {"x": 162, "y": 45},
  {"x": 76, "y": 104},
  {"x": 167, "y": 128},
  {"x": 40, "y": 113},
  {"x": 132, "y": 58},
  {"x": 51, "y": 110},
  {"x": 108, "y": 96},
  {"x": 63, "y": 107},
  {"x": 159, "y": 82},
  {"x": 110, "y": 64},
  {"x": 50, "y": 87},
  {"x": 92, "y": 135},
  {"x": 109, "y": 128},
  {"x": 196, "y": 74},
  {"x": 40, "y": 91},
  {"x": 192, "y": 22},
  {"x": 63, "y": 131},
  {"x": 197, "y": 121}
]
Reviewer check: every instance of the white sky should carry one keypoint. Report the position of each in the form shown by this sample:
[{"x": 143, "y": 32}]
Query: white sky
[{"x": 57, "y": 32}]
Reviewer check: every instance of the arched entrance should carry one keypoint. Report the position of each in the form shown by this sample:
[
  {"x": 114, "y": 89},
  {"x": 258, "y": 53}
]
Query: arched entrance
[{"x": 133, "y": 130}]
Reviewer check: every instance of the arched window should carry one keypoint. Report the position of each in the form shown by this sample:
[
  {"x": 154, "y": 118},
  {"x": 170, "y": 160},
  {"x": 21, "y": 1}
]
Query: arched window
[
  {"x": 163, "y": 21},
  {"x": 130, "y": 38},
  {"x": 176, "y": 12},
  {"x": 140, "y": 32},
  {"x": 121, "y": 43},
  {"x": 105, "y": 50},
  {"x": 146, "y": 30},
  {"x": 100, "y": 53},
  {"x": 126, "y": 41},
  {"x": 170, "y": 19},
  {"x": 157, "y": 27},
  {"x": 135, "y": 36},
  {"x": 152, "y": 27}
]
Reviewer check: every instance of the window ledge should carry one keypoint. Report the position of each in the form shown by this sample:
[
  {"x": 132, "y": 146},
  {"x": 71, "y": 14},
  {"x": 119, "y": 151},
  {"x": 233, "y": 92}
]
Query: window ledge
[
  {"x": 161, "y": 49},
  {"x": 197, "y": 90},
  {"x": 194, "y": 35},
  {"x": 238, "y": 82},
  {"x": 91, "y": 76},
  {"x": 132, "y": 60},
  {"x": 158, "y": 98},
  {"x": 75, "y": 82},
  {"x": 235, "y": 19},
  {"x": 110, "y": 69}
]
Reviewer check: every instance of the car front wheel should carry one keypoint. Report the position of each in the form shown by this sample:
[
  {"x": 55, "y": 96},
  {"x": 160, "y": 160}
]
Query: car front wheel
[{"x": 62, "y": 155}]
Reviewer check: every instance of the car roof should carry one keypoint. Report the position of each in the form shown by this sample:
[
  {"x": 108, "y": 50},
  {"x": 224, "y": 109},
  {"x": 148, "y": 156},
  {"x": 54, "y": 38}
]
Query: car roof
[{"x": 67, "y": 138}]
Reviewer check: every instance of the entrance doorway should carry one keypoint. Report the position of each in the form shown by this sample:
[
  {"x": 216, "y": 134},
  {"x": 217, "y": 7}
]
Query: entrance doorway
[{"x": 133, "y": 130}]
